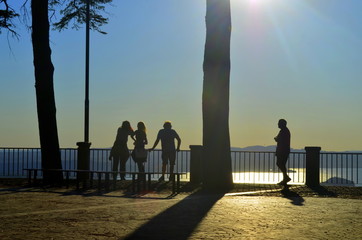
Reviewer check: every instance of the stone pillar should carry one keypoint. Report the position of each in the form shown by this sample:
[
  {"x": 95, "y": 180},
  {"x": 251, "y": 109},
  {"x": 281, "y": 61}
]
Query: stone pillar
[
  {"x": 312, "y": 166},
  {"x": 83, "y": 159},
  {"x": 196, "y": 170}
]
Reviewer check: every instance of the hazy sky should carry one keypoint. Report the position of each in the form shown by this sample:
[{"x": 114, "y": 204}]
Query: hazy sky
[{"x": 295, "y": 59}]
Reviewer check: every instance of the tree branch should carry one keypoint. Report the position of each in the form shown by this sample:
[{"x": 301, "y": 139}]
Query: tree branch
[{"x": 6, "y": 16}]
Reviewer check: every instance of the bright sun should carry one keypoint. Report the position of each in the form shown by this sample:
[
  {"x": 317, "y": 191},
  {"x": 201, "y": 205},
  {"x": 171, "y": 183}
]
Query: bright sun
[
  {"x": 251, "y": 2},
  {"x": 256, "y": 2}
]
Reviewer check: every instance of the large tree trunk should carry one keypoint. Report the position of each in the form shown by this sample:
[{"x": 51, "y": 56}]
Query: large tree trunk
[
  {"x": 45, "y": 91},
  {"x": 215, "y": 98}
]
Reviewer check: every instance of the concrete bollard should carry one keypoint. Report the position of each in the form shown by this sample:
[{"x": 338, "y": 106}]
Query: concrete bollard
[
  {"x": 312, "y": 166},
  {"x": 83, "y": 160}
]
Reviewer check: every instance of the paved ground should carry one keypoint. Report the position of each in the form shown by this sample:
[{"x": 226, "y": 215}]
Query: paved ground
[{"x": 57, "y": 213}]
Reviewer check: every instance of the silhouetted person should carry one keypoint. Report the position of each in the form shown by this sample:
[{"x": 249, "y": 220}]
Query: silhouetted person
[
  {"x": 139, "y": 153},
  {"x": 283, "y": 149},
  {"x": 119, "y": 151},
  {"x": 167, "y": 137}
]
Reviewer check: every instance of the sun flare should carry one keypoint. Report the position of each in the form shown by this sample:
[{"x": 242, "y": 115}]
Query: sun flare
[
  {"x": 251, "y": 3},
  {"x": 258, "y": 1}
]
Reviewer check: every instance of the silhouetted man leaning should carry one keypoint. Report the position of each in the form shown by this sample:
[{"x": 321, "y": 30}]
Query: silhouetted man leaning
[
  {"x": 283, "y": 150},
  {"x": 167, "y": 137}
]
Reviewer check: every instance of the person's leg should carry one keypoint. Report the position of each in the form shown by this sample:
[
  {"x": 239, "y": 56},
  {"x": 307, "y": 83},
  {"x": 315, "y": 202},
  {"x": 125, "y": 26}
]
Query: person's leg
[
  {"x": 141, "y": 166},
  {"x": 141, "y": 169},
  {"x": 115, "y": 167},
  {"x": 281, "y": 163},
  {"x": 281, "y": 166},
  {"x": 164, "y": 157},
  {"x": 123, "y": 168},
  {"x": 172, "y": 164},
  {"x": 164, "y": 167}
]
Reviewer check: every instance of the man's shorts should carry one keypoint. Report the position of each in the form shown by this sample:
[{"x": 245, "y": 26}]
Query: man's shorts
[
  {"x": 282, "y": 158},
  {"x": 169, "y": 157}
]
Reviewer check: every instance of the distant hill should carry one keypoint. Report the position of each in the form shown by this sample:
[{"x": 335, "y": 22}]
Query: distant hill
[
  {"x": 272, "y": 148},
  {"x": 259, "y": 148},
  {"x": 256, "y": 148}
]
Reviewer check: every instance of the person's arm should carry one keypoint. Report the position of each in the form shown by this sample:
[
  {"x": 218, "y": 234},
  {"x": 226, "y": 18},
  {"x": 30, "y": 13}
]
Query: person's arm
[
  {"x": 178, "y": 142},
  {"x": 157, "y": 140},
  {"x": 146, "y": 141},
  {"x": 155, "y": 144},
  {"x": 132, "y": 134},
  {"x": 114, "y": 144},
  {"x": 111, "y": 154},
  {"x": 277, "y": 138}
]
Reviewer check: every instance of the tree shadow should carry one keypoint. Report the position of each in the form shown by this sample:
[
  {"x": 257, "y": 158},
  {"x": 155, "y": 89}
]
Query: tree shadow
[
  {"x": 294, "y": 197},
  {"x": 324, "y": 192},
  {"x": 13, "y": 190},
  {"x": 179, "y": 221},
  {"x": 72, "y": 192}
]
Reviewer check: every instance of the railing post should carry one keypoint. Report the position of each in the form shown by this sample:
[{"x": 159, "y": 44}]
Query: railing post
[
  {"x": 196, "y": 170},
  {"x": 107, "y": 181},
  {"x": 83, "y": 160},
  {"x": 29, "y": 177},
  {"x": 312, "y": 166}
]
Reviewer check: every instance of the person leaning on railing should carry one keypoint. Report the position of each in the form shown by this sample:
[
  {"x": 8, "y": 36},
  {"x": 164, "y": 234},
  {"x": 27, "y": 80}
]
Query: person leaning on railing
[
  {"x": 139, "y": 153},
  {"x": 119, "y": 151},
  {"x": 167, "y": 137}
]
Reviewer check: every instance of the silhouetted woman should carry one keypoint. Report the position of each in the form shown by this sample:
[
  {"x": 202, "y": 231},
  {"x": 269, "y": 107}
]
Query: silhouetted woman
[
  {"x": 139, "y": 153},
  {"x": 120, "y": 151}
]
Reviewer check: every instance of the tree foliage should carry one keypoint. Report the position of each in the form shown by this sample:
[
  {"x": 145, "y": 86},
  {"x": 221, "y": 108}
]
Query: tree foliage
[
  {"x": 70, "y": 12},
  {"x": 74, "y": 13}
]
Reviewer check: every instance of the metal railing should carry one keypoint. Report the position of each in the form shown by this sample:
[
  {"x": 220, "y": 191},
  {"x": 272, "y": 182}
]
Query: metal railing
[
  {"x": 248, "y": 167},
  {"x": 341, "y": 168},
  {"x": 260, "y": 167},
  {"x": 14, "y": 160}
]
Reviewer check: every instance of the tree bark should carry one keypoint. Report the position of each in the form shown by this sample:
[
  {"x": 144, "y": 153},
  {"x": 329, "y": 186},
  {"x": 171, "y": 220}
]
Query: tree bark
[
  {"x": 44, "y": 70},
  {"x": 215, "y": 98}
]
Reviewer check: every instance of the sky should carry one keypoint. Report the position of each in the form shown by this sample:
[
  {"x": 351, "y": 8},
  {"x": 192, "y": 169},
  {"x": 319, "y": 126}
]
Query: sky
[{"x": 294, "y": 59}]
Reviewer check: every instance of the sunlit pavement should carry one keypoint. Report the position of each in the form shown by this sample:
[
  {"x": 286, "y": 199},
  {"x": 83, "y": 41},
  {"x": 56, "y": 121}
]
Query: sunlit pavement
[{"x": 57, "y": 214}]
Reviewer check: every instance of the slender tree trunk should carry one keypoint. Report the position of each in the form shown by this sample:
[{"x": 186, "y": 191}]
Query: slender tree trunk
[
  {"x": 45, "y": 91},
  {"x": 215, "y": 98}
]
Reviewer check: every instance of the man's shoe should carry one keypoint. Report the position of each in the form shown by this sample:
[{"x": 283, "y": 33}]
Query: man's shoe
[
  {"x": 281, "y": 183},
  {"x": 287, "y": 179},
  {"x": 284, "y": 181}
]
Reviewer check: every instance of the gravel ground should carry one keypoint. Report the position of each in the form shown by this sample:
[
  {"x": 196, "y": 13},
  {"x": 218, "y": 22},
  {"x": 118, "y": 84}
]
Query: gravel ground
[{"x": 246, "y": 212}]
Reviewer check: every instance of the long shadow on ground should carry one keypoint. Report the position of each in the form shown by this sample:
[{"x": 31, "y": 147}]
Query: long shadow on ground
[
  {"x": 297, "y": 199},
  {"x": 294, "y": 197},
  {"x": 126, "y": 188},
  {"x": 322, "y": 191},
  {"x": 179, "y": 221}
]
